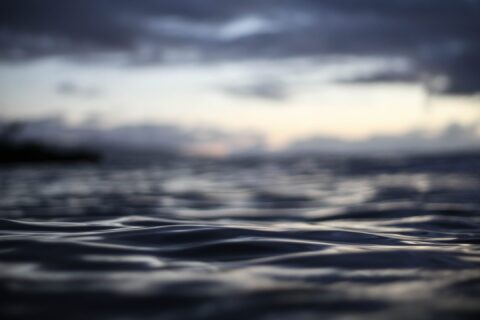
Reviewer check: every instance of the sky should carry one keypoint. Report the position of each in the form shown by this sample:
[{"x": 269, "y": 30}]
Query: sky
[{"x": 230, "y": 76}]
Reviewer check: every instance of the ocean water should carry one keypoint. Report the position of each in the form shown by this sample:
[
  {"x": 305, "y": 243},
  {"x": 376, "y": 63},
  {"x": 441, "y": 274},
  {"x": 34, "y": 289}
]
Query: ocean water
[{"x": 292, "y": 238}]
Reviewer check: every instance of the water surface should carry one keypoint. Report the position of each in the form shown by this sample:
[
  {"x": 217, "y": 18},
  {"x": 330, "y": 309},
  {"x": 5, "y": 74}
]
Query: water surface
[{"x": 298, "y": 238}]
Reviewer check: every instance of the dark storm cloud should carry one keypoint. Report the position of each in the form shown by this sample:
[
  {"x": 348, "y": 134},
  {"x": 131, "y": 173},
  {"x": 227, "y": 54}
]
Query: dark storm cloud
[{"x": 439, "y": 38}]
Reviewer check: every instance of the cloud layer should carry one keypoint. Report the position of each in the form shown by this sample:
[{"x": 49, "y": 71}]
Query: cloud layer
[
  {"x": 438, "y": 39},
  {"x": 452, "y": 138},
  {"x": 154, "y": 138},
  {"x": 144, "y": 138}
]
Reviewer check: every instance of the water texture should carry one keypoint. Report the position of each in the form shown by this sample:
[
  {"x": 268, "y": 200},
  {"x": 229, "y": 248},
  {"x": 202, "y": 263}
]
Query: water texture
[{"x": 298, "y": 238}]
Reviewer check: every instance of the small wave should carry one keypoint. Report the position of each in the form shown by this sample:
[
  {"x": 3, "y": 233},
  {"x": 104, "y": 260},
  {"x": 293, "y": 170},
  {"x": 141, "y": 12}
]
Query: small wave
[{"x": 233, "y": 240}]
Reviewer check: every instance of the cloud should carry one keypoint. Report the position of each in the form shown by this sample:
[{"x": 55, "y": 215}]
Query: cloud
[
  {"x": 142, "y": 137},
  {"x": 266, "y": 89},
  {"x": 437, "y": 38},
  {"x": 453, "y": 137},
  {"x": 384, "y": 76},
  {"x": 72, "y": 89},
  {"x": 161, "y": 137}
]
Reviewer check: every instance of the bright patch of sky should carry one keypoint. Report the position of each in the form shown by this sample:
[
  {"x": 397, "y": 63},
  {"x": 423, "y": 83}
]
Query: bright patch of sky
[{"x": 193, "y": 95}]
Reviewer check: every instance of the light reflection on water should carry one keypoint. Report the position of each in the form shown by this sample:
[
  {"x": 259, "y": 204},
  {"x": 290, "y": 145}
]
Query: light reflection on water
[{"x": 267, "y": 239}]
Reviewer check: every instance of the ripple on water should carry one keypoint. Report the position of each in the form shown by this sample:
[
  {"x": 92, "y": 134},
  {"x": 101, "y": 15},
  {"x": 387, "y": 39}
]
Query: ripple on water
[{"x": 234, "y": 240}]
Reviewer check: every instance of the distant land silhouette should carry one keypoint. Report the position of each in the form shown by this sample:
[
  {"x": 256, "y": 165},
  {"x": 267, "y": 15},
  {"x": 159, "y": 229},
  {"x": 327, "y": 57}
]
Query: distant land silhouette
[{"x": 13, "y": 151}]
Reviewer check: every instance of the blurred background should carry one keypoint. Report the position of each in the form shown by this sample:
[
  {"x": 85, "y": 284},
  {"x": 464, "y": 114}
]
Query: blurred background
[{"x": 220, "y": 78}]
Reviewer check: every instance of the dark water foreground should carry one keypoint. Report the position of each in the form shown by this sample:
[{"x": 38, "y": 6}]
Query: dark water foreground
[{"x": 293, "y": 239}]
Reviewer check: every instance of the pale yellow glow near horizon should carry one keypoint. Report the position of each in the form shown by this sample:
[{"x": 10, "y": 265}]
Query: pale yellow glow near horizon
[{"x": 348, "y": 112}]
